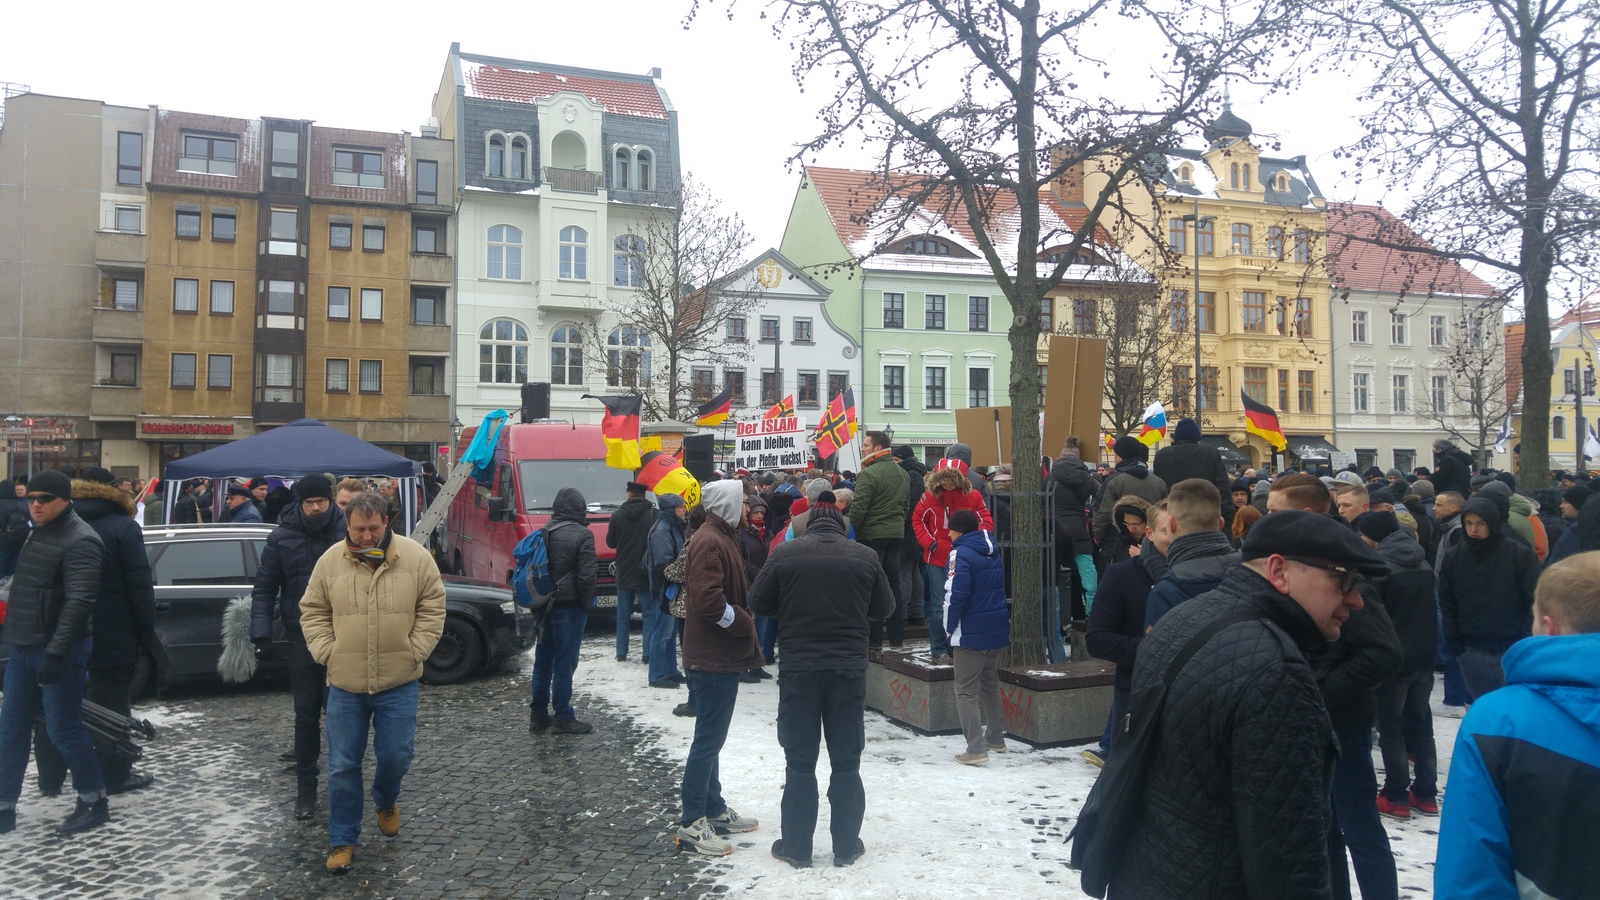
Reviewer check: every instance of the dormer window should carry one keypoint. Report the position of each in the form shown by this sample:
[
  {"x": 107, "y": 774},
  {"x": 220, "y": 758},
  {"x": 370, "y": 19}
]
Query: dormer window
[
  {"x": 926, "y": 247},
  {"x": 620, "y": 164},
  {"x": 1248, "y": 184},
  {"x": 1233, "y": 177},
  {"x": 1282, "y": 183},
  {"x": 1186, "y": 174},
  {"x": 496, "y": 167},
  {"x": 645, "y": 159},
  {"x": 1084, "y": 257},
  {"x": 519, "y": 158}
]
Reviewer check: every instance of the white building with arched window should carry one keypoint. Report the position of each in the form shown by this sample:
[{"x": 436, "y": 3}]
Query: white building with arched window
[{"x": 560, "y": 168}]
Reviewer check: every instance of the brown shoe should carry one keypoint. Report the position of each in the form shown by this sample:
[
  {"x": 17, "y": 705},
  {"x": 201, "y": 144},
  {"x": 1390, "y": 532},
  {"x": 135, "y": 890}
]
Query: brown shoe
[
  {"x": 995, "y": 748},
  {"x": 339, "y": 860},
  {"x": 972, "y": 759},
  {"x": 389, "y": 821}
]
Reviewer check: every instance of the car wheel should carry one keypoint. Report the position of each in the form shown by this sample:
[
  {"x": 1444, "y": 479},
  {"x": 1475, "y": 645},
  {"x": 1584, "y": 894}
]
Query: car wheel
[
  {"x": 456, "y": 655},
  {"x": 144, "y": 681}
]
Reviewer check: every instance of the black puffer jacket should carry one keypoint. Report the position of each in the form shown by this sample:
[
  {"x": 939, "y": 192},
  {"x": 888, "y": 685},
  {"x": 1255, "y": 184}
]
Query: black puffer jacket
[
  {"x": 570, "y": 544},
  {"x": 1185, "y": 459},
  {"x": 915, "y": 473},
  {"x": 1486, "y": 586},
  {"x": 1074, "y": 488},
  {"x": 292, "y": 551},
  {"x": 13, "y": 517},
  {"x": 1236, "y": 799},
  {"x": 1452, "y": 471},
  {"x": 822, "y": 588},
  {"x": 1116, "y": 621},
  {"x": 1131, "y": 479},
  {"x": 1408, "y": 596},
  {"x": 1366, "y": 655},
  {"x": 53, "y": 592},
  {"x": 629, "y": 535},
  {"x": 125, "y": 611}
]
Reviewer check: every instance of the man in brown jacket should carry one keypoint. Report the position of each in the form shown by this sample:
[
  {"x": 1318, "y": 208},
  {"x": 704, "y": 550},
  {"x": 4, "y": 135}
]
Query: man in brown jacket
[
  {"x": 372, "y": 612},
  {"x": 719, "y": 642}
]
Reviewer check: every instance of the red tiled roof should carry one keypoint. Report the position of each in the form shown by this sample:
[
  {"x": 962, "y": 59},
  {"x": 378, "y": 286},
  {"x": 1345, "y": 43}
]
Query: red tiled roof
[
  {"x": 1357, "y": 262},
  {"x": 1514, "y": 335},
  {"x": 626, "y": 98}
]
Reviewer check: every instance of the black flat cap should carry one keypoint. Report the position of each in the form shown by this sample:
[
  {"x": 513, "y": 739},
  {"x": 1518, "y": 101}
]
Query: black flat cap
[{"x": 1314, "y": 536}]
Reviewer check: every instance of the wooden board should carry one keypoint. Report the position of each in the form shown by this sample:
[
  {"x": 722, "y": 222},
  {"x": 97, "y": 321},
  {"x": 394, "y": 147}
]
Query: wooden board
[
  {"x": 975, "y": 427},
  {"x": 1075, "y": 394}
]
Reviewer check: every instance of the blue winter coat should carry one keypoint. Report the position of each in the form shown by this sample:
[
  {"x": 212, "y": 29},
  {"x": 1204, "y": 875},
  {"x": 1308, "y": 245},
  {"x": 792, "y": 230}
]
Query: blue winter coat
[
  {"x": 976, "y": 615},
  {"x": 1525, "y": 779},
  {"x": 666, "y": 542}
]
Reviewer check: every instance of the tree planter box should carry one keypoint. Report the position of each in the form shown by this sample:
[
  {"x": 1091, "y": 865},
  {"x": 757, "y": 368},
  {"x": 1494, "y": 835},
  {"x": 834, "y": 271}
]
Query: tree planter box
[
  {"x": 912, "y": 689},
  {"x": 1048, "y": 706}
]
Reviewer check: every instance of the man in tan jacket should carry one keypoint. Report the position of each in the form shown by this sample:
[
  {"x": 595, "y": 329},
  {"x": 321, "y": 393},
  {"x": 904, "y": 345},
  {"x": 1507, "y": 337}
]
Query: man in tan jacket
[{"x": 372, "y": 613}]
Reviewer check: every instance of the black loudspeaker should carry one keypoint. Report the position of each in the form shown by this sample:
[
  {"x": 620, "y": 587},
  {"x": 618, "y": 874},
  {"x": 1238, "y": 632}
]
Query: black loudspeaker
[
  {"x": 697, "y": 450},
  {"x": 535, "y": 401}
]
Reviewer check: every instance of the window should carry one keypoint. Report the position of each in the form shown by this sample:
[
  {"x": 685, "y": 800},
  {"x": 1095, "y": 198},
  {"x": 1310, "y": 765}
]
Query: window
[
  {"x": 1282, "y": 182},
  {"x": 130, "y": 219},
  {"x": 1255, "y": 383},
  {"x": 340, "y": 234},
  {"x": 1047, "y": 315},
  {"x": 1044, "y": 376},
  {"x": 1177, "y": 236},
  {"x": 645, "y": 172},
  {"x": 977, "y": 387},
  {"x": 734, "y": 378},
  {"x": 1207, "y": 238},
  {"x": 894, "y": 387},
  {"x": 283, "y": 231},
  {"x": 1255, "y": 311},
  {"x": 358, "y": 168},
  {"x": 222, "y": 298},
  {"x": 280, "y": 378},
  {"x": 1182, "y": 389},
  {"x": 1302, "y": 245},
  {"x": 1360, "y": 390},
  {"x": 1569, "y": 382},
  {"x": 627, "y": 261},
  {"x": 1402, "y": 385},
  {"x": 209, "y": 155},
  {"x": 1397, "y": 329},
  {"x": 702, "y": 384},
  {"x": 1436, "y": 332},
  {"x": 933, "y": 312},
  {"x": 1280, "y": 314},
  {"x": 838, "y": 383},
  {"x": 574, "y": 253},
  {"x": 627, "y": 357},
  {"x": 894, "y": 310},
  {"x": 125, "y": 295},
  {"x": 371, "y": 375},
  {"x": 202, "y": 562},
  {"x": 425, "y": 238},
  {"x": 224, "y": 227},
  {"x": 427, "y": 376},
  {"x": 427, "y": 308},
  {"x": 1179, "y": 318},
  {"x": 769, "y": 387},
  {"x": 926, "y": 247},
  {"x": 1475, "y": 333},
  {"x": 286, "y": 155},
  {"x": 1084, "y": 313},
  {"x": 1208, "y": 387},
  {"x": 802, "y": 331},
  {"x": 1185, "y": 174},
  {"x": 185, "y": 295},
  {"x": 1241, "y": 239},
  {"x": 338, "y": 303},
  {"x": 1358, "y": 326},
  {"x": 933, "y": 382},
  {"x": 505, "y": 252},
  {"x": 372, "y": 237},
  {"x": 808, "y": 389},
  {"x": 124, "y": 369},
  {"x": 427, "y": 181},
  {"x": 1248, "y": 184},
  {"x": 1306, "y": 382},
  {"x": 338, "y": 380},
  {"x": 183, "y": 370},
  {"x": 495, "y": 161},
  {"x": 371, "y": 305},
  {"x": 517, "y": 163},
  {"x": 219, "y": 372},
  {"x": 1283, "y": 389},
  {"x": 130, "y": 158},
  {"x": 1558, "y": 428},
  {"x": 977, "y": 313},
  {"x": 280, "y": 298},
  {"x": 770, "y": 326},
  {"x": 736, "y": 328},
  {"x": 620, "y": 164},
  {"x": 189, "y": 223},
  {"x": 1440, "y": 386},
  {"x": 1275, "y": 242},
  {"x": 1233, "y": 176},
  {"x": 1206, "y": 312},
  {"x": 1302, "y": 316},
  {"x": 1405, "y": 460},
  {"x": 566, "y": 356}
]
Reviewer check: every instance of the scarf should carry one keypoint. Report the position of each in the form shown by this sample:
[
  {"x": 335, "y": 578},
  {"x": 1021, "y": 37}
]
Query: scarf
[
  {"x": 1155, "y": 565},
  {"x": 373, "y": 556},
  {"x": 1196, "y": 545},
  {"x": 1133, "y": 467},
  {"x": 874, "y": 458}
]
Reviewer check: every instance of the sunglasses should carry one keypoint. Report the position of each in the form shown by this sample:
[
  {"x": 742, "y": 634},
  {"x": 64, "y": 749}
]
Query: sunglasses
[
  {"x": 42, "y": 499},
  {"x": 1347, "y": 575}
]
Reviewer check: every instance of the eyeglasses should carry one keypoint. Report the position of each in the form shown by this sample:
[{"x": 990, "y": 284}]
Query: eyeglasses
[
  {"x": 42, "y": 499},
  {"x": 1347, "y": 575}
]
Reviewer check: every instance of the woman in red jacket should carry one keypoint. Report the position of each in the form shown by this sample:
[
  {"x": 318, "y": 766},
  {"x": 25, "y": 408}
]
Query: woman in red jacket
[{"x": 948, "y": 490}]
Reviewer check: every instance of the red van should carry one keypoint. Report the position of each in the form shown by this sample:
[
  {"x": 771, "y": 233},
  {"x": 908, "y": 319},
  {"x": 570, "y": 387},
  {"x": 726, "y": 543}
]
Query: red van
[{"x": 531, "y": 463}]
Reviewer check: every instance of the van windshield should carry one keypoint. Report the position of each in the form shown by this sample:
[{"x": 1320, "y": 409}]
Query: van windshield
[{"x": 602, "y": 487}]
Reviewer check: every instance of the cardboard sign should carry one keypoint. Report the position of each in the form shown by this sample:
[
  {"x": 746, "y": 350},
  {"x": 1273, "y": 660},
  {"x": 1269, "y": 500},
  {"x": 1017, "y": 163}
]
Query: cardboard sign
[
  {"x": 1075, "y": 394},
  {"x": 987, "y": 430},
  {"x": 772, "y": 444}
]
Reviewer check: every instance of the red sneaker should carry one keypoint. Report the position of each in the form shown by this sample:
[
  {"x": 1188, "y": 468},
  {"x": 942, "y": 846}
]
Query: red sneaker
[
  {"x": 1424, "y": 807},
  {"x": 1393, "y": 810}
]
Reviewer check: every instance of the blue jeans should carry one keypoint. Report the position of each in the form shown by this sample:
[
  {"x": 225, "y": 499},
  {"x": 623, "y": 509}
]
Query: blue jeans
[
  {"x": 767, "y": 634},
  {"x": 1455, "y": 687},
  {"x": 392, "y": 718},
  {"x": 1119, "y": 708},
  {"x": 714, "y": 694},
  {"x": 62, "y": 704},
  {"x": 653, "y": 618},
  {"x": 627, "y": 599},
  {"x": 933, "y": 599},
  {"x": 1355, "y": 820},
  {"x": 664, "y": 646},
  {"x": 555, "y": 658},
  {"x": 1481, "y": 671}
]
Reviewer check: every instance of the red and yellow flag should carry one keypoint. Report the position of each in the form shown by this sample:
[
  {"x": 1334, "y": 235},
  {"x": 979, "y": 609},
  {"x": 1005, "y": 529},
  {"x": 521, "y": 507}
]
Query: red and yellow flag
[
  {"x": 620, "y": 429},
  {"x": 833, "y": 431},
  {"x": 1262, "y": 421},
  {"x": 849, "y": 396},
  {"x": 715, "y": 411}
]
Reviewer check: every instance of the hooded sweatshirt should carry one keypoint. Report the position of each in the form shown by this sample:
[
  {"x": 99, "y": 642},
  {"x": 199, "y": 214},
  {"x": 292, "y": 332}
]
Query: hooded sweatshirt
[
  {"x": 1131, "y": 478},
  {"x": 1407, "y": 593},
  {"x": 1486, "y": 586},
  {"x": 1195, "y": 563},
  {"x": 1525, "y": 779},
  {"x": 573, "y": 565}
]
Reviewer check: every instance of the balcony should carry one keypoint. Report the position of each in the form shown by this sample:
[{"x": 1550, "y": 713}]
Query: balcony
[
  {"x": 119, "y": 249},
  {"x": 114, "y": 401},
  {"x": 574, "y": 181},
  {"x": 428, "y": 407},
  {"x": 120, "y": 326},
  {"x": 432, "y": 268},
  {"x": 429, "y": 339}
]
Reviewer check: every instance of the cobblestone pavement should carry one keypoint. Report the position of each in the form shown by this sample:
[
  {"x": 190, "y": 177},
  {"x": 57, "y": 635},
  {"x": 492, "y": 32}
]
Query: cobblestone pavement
[{"x": 488, "y": 810}]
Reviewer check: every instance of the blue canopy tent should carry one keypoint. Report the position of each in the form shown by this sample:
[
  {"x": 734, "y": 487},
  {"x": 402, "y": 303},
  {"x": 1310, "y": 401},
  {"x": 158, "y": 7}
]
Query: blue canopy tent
[{"x": 293, "y": 450}]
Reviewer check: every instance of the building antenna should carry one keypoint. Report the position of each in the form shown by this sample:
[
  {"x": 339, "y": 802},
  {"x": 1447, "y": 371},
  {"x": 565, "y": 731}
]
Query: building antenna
[{"x": 1227, "y": 102}]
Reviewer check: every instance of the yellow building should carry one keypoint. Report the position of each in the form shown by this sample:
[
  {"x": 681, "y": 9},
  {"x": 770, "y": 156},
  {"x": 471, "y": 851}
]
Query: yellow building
[{"x": 1575, "y": 347}]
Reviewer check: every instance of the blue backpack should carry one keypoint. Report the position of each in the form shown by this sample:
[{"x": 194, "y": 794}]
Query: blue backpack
[{"x": 530, "y": 576}]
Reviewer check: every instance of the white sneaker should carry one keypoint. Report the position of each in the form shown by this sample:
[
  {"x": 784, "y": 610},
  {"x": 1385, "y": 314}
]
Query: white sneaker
[
  {"x": 731, "y": 822},
  {"x": 1449, "y": 712},
  {"x": 700, "y": 837}
]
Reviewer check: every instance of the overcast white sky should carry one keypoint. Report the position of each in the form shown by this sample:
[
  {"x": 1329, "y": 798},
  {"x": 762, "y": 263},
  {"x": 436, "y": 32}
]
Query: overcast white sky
[{"x": 376, "y": 66}]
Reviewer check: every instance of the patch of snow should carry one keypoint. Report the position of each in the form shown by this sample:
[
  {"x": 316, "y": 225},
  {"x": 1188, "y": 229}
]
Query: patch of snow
[
  {"x": 1046, "y": 673},
  {"x": 165, "y": 716}
]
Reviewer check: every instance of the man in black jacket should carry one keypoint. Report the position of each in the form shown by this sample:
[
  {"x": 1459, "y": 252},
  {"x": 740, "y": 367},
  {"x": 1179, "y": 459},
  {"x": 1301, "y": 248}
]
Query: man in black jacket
[
  {"x": 123, "y": 625},
  {"x": 570, "y": 545},
  {"x": 1116, "y": 623},
  {"x": 13, "y": 527},
  {"x": 1235, "y": 802},
  {"x": 913, "y": 586},
  {"x": 823, "y": 590},
  {"x": 1187, "y": 458},
  {"x": 47, "y": 626},
  {"x": 629, "y": 535},
  {"x": 306, "y": 529},
  {"x": 1452, "y": 468}
]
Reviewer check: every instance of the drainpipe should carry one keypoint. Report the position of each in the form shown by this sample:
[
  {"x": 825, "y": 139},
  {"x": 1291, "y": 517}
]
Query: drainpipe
[{"x": 1333, "y": 374}]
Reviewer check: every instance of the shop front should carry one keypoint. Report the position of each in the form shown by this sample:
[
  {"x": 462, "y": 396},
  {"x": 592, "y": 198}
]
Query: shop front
[{"x": 175, "y": 440}]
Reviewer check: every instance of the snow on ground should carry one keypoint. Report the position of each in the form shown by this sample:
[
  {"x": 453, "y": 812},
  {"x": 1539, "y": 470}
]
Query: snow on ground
[{"x": 929, "y": 820}]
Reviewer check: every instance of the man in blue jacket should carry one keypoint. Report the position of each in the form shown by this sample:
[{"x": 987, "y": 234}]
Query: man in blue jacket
[
  {"x": 1200, "y": 549},
  {"x": 978, "y": 621},
  {"x": 1525, "y": 778}
]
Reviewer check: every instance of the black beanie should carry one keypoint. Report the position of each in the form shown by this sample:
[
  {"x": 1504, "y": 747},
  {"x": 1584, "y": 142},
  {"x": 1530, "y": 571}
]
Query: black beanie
[
  {"x": 1576, "y": 495},
  {"x": 1377, "y": 525},
  {"x": 51, "y": 481},
  {"x": 964, "y": 521},
  {"x": 313, "y": 485},
  {"x": 1128, "y": 447}
]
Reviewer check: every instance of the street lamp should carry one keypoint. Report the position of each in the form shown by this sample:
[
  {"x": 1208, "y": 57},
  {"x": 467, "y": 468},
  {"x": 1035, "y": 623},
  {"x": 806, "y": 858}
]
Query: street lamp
[{"x": 1199, "y": 222}]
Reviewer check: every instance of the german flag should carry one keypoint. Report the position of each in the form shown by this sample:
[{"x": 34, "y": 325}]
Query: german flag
[
  {"x": 849, "y": 396},
  {"x": 1261, "y": 421},
  {"x": 781, "y": 410},
  {"x": 620, "y": 429},
  {"x": 716, "y": 410},
  {"x": 833, "y": 431}
]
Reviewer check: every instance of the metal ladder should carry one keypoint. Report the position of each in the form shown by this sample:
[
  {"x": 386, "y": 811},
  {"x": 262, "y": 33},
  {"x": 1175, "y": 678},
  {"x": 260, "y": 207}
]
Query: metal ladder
[{"x": 435, "y": 513}]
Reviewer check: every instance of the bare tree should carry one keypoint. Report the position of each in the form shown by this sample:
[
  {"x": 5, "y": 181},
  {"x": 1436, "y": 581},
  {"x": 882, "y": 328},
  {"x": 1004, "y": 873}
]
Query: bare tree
[
  {"x": 653, "y": 337},
  {"x": 1474, "y": 403},
  {"x": 1484, "y": 110},
  {"x": 979, "y": 108}
]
